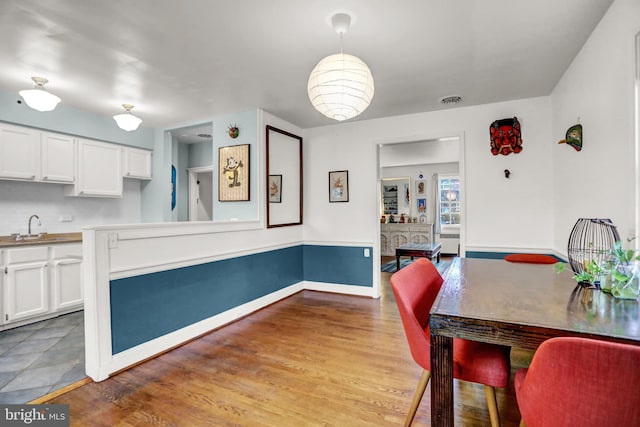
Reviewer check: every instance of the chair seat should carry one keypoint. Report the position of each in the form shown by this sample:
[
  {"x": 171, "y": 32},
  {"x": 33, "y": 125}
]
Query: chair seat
[{"x": 481, "y": 363}]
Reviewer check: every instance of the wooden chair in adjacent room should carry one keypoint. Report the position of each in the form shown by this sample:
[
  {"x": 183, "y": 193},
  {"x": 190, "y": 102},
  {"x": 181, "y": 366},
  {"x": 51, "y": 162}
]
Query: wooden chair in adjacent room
[
  {"x": 580, "y": 382},
  {"x": 415, "y": 288}
]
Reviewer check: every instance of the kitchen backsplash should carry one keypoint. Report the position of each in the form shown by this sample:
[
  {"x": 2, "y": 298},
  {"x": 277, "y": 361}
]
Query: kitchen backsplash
[{"x": 19, "y": 200}]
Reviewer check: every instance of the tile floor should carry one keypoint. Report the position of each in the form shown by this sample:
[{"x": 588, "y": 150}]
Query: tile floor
[{"x": 42, "y": 357}]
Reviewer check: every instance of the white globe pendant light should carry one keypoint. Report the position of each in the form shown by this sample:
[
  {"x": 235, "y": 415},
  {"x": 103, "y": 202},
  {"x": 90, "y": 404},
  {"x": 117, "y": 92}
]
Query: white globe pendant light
[
  {"x": 341, "y": 85},
  {"x": 38, "y": 98},
  {"x": 127, "y": 121}
]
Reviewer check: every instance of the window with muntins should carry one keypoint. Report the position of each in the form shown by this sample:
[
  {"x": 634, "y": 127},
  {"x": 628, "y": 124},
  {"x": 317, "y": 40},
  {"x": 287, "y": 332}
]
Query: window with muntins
[{"x": 449, "y": 196}]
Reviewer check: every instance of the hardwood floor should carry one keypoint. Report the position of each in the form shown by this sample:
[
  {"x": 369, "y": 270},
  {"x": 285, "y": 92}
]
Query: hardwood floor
[{"x": 313, "y": 359}]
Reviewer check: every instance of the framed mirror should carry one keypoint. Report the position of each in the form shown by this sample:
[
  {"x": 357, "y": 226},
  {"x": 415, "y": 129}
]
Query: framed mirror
[{"x": 284, "y": 178}]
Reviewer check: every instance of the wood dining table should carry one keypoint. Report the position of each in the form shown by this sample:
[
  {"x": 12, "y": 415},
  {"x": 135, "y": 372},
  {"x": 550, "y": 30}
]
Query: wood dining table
[{"x": 516, "y": 305}]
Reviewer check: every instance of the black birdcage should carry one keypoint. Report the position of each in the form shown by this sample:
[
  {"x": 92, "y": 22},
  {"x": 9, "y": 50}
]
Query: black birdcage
[{"x": 589, "y": 240}]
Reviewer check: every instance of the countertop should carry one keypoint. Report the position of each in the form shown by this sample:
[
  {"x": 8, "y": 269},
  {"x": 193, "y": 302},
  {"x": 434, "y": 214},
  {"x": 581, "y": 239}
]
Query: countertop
[{"x": 48, "y": 239}]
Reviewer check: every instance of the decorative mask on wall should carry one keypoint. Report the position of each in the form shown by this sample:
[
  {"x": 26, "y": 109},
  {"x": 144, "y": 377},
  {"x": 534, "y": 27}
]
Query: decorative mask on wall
[
  {"x": 505, "y": 137},
  {"x": 573, "y": 137},
  {"x": 234, "y": 131}
]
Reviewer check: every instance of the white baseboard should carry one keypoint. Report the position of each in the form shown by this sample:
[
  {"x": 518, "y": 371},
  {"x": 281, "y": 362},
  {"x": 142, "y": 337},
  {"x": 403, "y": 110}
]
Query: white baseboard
[{"x": 366, "y": 291}]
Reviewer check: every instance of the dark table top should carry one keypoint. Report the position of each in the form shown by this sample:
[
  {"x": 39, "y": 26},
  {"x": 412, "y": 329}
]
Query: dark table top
[{"x": 495, "y": 300}]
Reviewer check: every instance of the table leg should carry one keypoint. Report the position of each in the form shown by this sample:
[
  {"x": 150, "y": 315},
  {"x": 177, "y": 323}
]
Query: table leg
[
  {"x": 441, "y": 381},
  {"x": 397, "y": 262},
  {"x": 438, "y": 257}
]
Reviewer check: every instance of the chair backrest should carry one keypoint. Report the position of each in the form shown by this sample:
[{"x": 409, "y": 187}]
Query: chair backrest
[
  {"x": 416, "y": 287},
  {"x": 581, "y": 382},
  {"x": 531, "y": 258}
]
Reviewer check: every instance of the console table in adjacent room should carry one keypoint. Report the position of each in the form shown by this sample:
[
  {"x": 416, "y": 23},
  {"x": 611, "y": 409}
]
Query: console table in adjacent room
[
  {"x": 397, "y": 234},
  {"x": 424, "y": 250}
]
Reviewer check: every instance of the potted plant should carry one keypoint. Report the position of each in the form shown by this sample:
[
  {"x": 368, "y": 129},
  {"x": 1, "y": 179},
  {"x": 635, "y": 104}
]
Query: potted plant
[
  {"x": 626, "y": 276},
  {"x": 588, "y": 277}
]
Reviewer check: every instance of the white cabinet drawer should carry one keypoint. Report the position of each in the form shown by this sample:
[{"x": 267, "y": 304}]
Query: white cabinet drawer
[
  {"x": 39, "y": 253},
  {"x": 66, "y": 251}
]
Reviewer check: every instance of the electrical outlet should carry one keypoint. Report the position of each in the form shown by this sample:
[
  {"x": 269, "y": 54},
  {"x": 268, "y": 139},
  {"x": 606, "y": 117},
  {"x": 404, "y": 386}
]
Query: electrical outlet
[
  {"x": 66, "y": 218},
  {"x": 367, "y": 252}
]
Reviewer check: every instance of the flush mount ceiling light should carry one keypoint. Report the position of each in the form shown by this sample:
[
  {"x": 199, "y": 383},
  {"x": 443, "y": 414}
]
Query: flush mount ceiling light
[
  {"x": 127, "y": 121},
  {"x": 38, "y": 98},
  {"x": 341, "y": 85}
]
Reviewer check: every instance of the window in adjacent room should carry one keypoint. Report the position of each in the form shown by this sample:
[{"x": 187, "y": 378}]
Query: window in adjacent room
[{"x": 449, "y": 198}]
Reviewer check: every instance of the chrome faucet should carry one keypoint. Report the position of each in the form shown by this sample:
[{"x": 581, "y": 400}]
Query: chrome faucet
[{"x": 30, "y": 218}]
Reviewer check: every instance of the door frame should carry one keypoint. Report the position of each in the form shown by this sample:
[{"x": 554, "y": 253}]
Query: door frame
[{"x": 193, "y": 189}]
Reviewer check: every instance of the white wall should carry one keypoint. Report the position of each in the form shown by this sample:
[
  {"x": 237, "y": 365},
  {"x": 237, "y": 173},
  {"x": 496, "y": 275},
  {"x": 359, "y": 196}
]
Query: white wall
[
  {"x": 500, "y": 213},
  {"x": 414, "y": 153},
  {"x": 19, "y": 200},
  {"x": 599, "y": 181}
]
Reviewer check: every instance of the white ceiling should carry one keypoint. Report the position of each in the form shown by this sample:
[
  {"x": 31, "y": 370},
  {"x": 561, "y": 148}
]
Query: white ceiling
[{"x": 183, "y": 62}]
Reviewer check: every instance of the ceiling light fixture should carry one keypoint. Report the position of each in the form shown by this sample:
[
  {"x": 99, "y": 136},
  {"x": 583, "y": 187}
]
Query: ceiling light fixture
[
  {"x": 38, "y": 98},
  {"x": 341, "y": 85},
  {"x": 127, "y": 121}
]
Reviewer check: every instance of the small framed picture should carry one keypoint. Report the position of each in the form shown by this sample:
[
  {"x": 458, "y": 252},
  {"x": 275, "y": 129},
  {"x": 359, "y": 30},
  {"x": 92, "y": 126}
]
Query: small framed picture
[
  {"x": 421, "y": 188},
  {"x": 339, "y": 186},
  {"x": 233, "y": 173},
  {"x": 275, "y": 188},
  {"x": 422, "y": 206}
]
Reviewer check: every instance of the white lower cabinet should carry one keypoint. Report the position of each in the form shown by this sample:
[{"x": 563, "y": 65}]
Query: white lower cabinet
[
  {"x": 27, "y": 286},
  {"x": 67, "y": 283},
  {"x": 40, "y": 282}
]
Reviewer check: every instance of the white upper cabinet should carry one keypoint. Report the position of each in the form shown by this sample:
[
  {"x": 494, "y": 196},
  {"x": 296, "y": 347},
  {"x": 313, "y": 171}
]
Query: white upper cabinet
[
  {"x": 137, "y": 163},
  {"x": 89, "y": 168},
  {"x": 99, "y": 167},
  {"x": 19, "y": 153},
  {"x": 57, "y": 158}
]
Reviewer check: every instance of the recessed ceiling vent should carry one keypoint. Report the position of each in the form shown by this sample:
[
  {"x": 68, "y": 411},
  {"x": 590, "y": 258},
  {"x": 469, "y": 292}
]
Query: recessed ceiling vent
[
  {"x": 204, "y": 135},
  {"x": 452, "y": 99}
]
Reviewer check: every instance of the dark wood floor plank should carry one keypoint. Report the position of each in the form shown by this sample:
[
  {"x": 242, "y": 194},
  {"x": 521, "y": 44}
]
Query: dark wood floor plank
[{"x": 313, "y": 359}]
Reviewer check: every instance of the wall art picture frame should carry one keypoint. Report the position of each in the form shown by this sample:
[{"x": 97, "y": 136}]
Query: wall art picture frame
[
  {"x": 421, "y": 188},
  {"x": 233, "y": 173},
  {"x": 275, "y": 188},
  {"x": 422, "y": 206},
  {"x": 338, "y": 186}
]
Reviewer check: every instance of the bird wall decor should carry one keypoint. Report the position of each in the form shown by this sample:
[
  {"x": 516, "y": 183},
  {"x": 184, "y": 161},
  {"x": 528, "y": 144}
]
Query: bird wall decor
[{"x": 573, "y": 137}]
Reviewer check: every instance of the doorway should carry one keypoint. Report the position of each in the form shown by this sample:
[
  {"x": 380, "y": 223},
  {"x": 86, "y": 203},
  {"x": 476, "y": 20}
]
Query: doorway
[
  {"x": 422, "y": 161},
  {"x": 201, "y": 193}
]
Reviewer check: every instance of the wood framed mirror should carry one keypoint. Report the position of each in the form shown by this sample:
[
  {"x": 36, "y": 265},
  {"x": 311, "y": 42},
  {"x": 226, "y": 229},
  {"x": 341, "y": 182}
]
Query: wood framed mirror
[{"x": 284, "y": 178}]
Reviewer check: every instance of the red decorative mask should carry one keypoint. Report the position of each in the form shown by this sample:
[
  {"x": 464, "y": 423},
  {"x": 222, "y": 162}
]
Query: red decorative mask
[{"x": 505, "y": 137}]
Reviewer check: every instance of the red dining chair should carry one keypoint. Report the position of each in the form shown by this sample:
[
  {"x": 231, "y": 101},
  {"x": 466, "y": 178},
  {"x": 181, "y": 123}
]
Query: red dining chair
[
  {"x": 415, "y": 288},
  {"x": 580, "y": 382}
]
